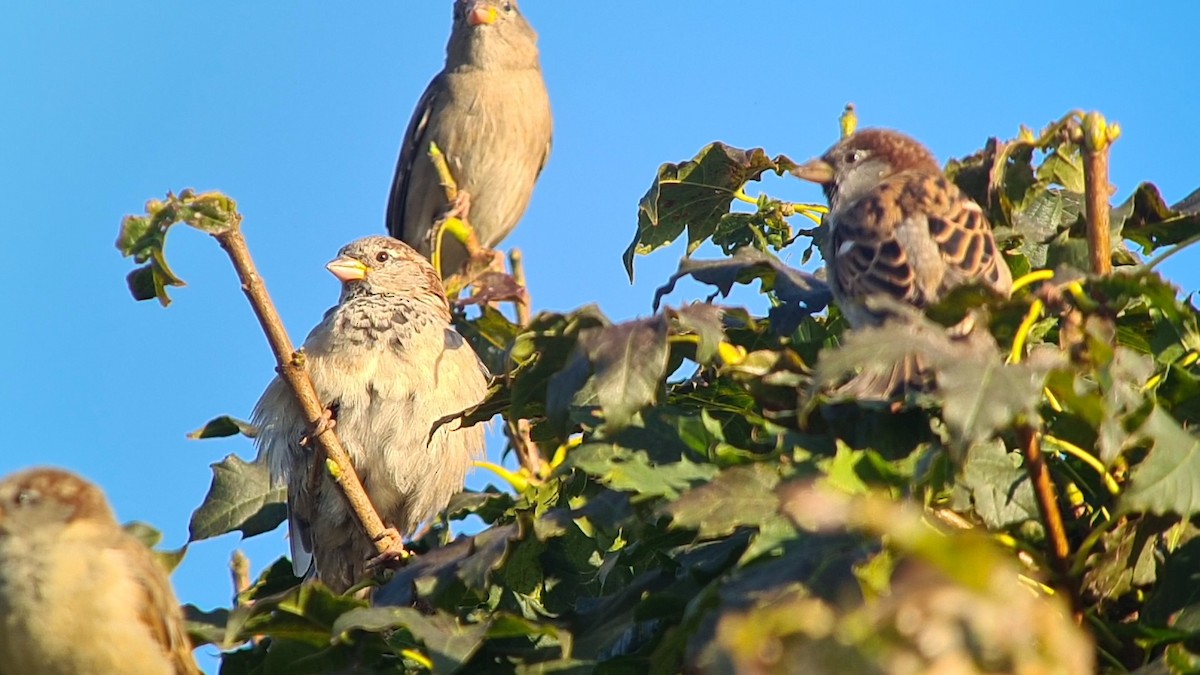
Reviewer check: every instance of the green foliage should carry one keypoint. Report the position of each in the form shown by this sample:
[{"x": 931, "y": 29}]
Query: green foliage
[{"x": 710, "y": 505}]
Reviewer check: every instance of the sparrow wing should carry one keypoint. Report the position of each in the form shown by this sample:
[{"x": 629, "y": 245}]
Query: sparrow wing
[
  {"x": 964, "y": 240},
  {"x": 157, "y": 608},
  {"x": 414, "y": 145},
  {"x": 911, "y": 239}
]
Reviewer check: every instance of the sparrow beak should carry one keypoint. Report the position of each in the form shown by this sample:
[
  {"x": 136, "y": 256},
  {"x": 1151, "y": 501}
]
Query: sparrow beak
[
  {"x": 347, "y": 269},
  {"x": 816, "y": 170},
  {"x": 482, "y": 14}
]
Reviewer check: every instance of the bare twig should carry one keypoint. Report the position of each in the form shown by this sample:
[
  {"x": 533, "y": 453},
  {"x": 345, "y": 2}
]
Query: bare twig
[
  {"x": 1098, "y": 136},
  {"x": 527, "y": 451},
  {"x": 522, "y": 304},
  {"x": 291, "y": 369},
  {"x": 239, "y": 569},
  {"x": 456, "y": 219}
]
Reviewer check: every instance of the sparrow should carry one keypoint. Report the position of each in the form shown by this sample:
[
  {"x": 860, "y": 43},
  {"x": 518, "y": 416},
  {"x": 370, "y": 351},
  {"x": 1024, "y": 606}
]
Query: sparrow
[
  {"x": 388, "y": 366},
  {"x": 489, "y": 112},
  {"x": 898, "y": 230},
  {"x": 77, "y": 593}
]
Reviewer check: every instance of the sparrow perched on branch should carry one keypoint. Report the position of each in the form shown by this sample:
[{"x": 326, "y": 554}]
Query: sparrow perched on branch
[
  {"x": 898, "y": 230},
  {"x": 77, "y": 593},
  {"x": 388, "y": 365},
  {"x": 489, "y": 112}
]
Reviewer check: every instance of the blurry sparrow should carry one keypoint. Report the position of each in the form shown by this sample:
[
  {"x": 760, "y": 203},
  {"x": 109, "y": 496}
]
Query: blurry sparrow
[
  {"x": 898, "y": 229},
  {"x": 388, "y": 365},
  {"x": 77, "y": 594},
  {"x": 489, "y": 112}
]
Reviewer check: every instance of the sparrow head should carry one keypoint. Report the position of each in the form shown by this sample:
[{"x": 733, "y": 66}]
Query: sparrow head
[
  {"x": 40, "y": 498},
  {"x": 859, "y": 162},
  {"x": 385, "y": 266},
  {"x": 490, "y": 34}
]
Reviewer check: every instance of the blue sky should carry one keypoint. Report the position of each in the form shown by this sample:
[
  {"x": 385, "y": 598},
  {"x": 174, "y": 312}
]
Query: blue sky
[{"x": 297, "y": 110}]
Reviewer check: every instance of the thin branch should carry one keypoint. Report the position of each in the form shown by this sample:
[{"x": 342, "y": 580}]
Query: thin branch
[
  {"x": 1098, "y": 136},
  {"x": 291, "y": 369},
  {"x": 1047, "y": 501},
  {"x": 516, "y": 260}
]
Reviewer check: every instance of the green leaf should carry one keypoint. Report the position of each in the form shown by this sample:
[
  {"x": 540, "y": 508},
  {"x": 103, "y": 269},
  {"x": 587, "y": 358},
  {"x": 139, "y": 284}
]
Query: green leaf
[
  {"x": 695, "y": 195},
  {"x": 633, "y": 471},
  {"x": 1168, "y": 480},
  {"x": 223, "y": 427},
  {"x": 205, "y": 628},
  {"x": 240, "y": 498},
  {"x": 995, "y": 485}
]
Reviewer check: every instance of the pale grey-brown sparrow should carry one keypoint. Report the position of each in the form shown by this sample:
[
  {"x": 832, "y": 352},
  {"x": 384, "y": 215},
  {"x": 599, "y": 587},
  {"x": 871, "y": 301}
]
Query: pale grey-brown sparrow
[
  {"x": 387, "y": 364},
  {"x": 489, "y": 112},
  {"x": 77, "y": 593}
]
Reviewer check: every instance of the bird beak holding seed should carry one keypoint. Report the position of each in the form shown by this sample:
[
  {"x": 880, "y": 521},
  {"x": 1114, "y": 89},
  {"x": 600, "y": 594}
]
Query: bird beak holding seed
[
  {"x": 482, "y": 15},
  {"x": 816, "y": 170},
  {"x": 347, "y": 269}
]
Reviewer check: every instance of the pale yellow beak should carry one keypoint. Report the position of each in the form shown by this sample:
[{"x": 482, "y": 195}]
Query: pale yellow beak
[
  {"x": 347, "y": 269},
  {"x": 816, "y": 170}
]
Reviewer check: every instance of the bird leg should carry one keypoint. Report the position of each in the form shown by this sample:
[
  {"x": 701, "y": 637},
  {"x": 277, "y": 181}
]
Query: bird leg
[
  {"x": 460, "y": 207},
  {"x": 395, "y": 556},
  {"x": 325, "y": 422}
]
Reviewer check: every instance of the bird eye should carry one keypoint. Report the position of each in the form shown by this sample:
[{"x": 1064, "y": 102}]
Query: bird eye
[
  {"x": 853, "y": 156},
  {"x": 382, "y": 256},
  {"x": 28, "y": 497},
  {"x": 508, "y": 7}
]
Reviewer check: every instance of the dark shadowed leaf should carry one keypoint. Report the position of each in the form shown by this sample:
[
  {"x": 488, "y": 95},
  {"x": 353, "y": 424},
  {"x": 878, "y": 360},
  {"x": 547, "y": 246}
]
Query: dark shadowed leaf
[
  {"x": 629, "y": 363},
  {"x": 1152, "y": 224},
  {"x": 205, "y": 627},
  {"x": 799, "y": 293},
  {"x": 738, "y": 496},
  {"x": 702, "y": 321},
  {"x": 1125, "y": 558},
  {"x": 450, "y": 643}
]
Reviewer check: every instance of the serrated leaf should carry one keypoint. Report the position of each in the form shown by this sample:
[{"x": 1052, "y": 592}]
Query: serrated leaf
[
  {"x": 240, "y": 498},
  {"x": 694, "y": 195},
  {"x": 633, "y": 471}
]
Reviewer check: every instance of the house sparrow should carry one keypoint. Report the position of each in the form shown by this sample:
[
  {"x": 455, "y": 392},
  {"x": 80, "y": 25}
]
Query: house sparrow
[
  {"x": 489, "y": 112},
  {"x": 388, "y": 365},
  {"x": 77, "y": 593},
  {"x": 898, "y": 230}
]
